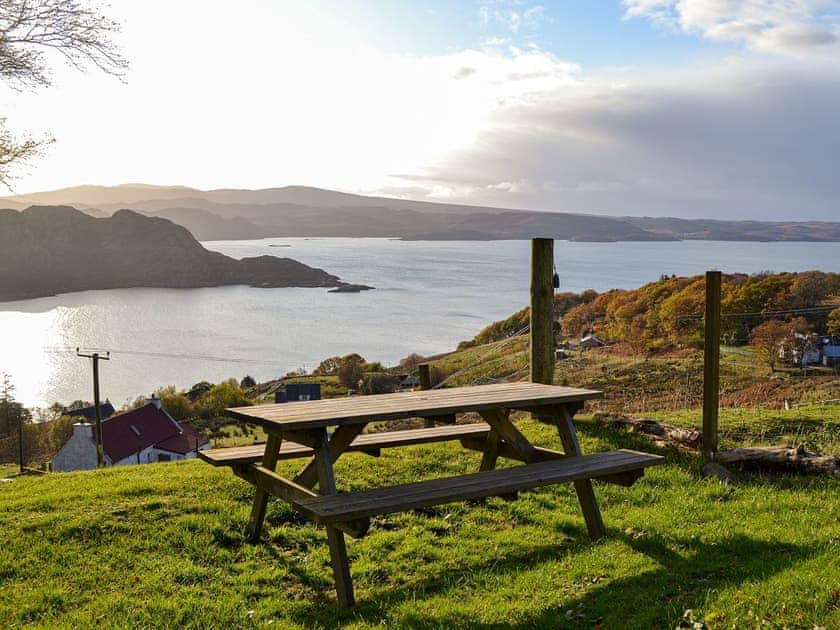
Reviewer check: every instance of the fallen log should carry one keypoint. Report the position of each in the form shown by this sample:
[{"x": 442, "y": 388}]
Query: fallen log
[
  {"x": 691, "y": 438},
  {"x": 781, "y": 457}
]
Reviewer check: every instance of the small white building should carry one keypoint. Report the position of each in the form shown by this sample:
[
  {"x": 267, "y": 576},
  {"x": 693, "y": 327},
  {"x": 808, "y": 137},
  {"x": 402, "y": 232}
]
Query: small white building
[
  {"x": 591, "y": 341},
  {"x": 141, "y": 436},
  {"x": 77, "y": 454}
]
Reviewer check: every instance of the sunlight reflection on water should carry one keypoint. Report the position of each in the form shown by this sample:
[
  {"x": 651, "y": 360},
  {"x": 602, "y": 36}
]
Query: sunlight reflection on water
[{"x": 429, "y": 296}]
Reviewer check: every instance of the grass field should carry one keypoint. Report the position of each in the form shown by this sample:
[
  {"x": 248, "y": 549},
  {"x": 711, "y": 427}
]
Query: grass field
[{"x": 163, "y": 545}]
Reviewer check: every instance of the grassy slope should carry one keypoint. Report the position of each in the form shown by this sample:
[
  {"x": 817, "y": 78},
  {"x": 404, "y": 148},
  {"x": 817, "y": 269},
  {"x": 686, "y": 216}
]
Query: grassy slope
[{"x": 163, "y": 545}]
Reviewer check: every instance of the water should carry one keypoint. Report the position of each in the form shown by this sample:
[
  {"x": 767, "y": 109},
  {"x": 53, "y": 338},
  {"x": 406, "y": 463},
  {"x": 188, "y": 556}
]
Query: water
[{"x": 429, "y": 296}]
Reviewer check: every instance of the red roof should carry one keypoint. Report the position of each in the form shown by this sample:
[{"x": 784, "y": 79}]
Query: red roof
[
  {"x": 188, "y": 440},
  {"x": 131, "y": 432}
]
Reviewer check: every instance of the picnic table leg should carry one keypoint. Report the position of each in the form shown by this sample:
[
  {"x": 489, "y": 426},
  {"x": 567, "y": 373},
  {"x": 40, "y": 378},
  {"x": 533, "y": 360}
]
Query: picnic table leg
[
  {"x": 338, "y": 444},
  {"x": 500, "y": 424},
  {"x": 501, "y": 428},
  {"x": 269, "y": 460},
  {"x": 335, "y": 538},
  {"x": 583, "y": 487},
  {"x": 491, "y": 451}
]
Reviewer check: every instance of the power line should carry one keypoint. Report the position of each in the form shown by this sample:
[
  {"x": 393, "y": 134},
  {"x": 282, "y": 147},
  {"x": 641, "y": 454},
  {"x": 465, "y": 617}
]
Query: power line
[
  {"x": 167, "y": 355},
  {"x": 791, "y": 311}
]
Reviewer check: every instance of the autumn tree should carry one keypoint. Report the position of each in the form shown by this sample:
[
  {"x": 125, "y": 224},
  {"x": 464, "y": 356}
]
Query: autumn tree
[
  {"x": 411, "y": 361},
  {"x": 223, "y": 395},
  {"x": 766, "y": 339},
  {"x": 32, "y": 33},
  {"x": 833, "y": 324},
  {"x": 328, "y": 366}
]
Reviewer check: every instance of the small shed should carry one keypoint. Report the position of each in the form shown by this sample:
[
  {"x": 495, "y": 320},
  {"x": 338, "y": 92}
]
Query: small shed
[{"x": 299, "y": 391}]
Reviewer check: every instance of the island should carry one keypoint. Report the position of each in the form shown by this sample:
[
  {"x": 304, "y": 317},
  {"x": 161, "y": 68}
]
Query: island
[
  {"x": 46, "y": 250},
  {"x": 350, "y": 288}
]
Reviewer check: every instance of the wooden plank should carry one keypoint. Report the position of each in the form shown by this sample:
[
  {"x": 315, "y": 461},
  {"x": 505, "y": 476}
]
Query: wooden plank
[
  {"x": 366, "y": 443},
  {"x": 583, "y": 487},
  {"x": 363, "y": 504},
  {"x": 233, "y": 455},
  {"x": 335, "y": 538},
  {"x": 546, "y": 454},
  {"x": 322, "y": 413},
  {"x": 269, "y": 461}
]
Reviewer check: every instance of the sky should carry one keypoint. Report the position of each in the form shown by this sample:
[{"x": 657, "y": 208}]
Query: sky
[{"x": 690, "y": 108}]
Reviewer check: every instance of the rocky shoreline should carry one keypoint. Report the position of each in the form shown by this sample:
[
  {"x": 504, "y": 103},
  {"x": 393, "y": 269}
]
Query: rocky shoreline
[{"x": 47, "y": 250}]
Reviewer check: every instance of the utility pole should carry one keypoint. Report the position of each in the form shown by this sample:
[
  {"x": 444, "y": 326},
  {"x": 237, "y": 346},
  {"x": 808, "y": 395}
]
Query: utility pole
[{"x": 100, "y": 452}]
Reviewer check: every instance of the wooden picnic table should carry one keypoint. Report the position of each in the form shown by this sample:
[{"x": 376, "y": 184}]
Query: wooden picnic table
[{"x": 299, "y": 429}]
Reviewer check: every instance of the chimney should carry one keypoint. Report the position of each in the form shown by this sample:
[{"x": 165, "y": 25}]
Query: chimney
[{"x": 155, "y": 401}]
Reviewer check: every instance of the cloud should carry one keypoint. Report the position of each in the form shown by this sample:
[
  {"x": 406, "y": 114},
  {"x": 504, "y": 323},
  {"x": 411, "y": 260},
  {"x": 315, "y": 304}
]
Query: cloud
[
  {"x": 792, "y": 27},
  {"x": 513, "y": 19},
  {"x": 743, "y": 141}
]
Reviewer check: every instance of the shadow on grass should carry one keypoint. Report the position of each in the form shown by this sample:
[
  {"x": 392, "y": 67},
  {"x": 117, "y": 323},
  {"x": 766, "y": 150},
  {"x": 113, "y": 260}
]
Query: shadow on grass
[
  {"x": 616, "y": 438},
  {"x": 656, "y": 598}
]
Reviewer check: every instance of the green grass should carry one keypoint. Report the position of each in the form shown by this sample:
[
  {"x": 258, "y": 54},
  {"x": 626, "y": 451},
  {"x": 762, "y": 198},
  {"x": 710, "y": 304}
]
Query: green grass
[
  {"x": 8, "y": 470},
  {"x": 815, "y": 427},
  {"x": 163, "y": 545}
]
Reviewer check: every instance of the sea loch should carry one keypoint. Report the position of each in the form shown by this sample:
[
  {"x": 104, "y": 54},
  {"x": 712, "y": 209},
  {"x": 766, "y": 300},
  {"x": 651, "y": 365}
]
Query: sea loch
[{"x": 428, "y": 297}]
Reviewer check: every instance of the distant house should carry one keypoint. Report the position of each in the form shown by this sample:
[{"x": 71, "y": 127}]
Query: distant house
[
  {"x": 591, "y": 341},
  {"x": 141, "y": 436},
  {"x": 299, "y": 391},
  {"x": 106, "y": 410},
  {"x": 829, "y": 350},
  {"x": 406, "y": 382},
  {"x": 810, "y": 349}
]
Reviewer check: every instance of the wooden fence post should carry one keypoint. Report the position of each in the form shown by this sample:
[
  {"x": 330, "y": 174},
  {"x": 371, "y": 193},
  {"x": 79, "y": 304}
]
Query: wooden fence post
[
  {"x": 711, "y": 364},
  {"x": 425, "y": 383},
  {"x": 542, "y": 310}
]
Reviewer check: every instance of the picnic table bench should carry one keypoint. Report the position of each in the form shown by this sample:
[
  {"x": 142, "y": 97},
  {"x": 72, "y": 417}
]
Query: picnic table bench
[{"x": 300, "y": 430}]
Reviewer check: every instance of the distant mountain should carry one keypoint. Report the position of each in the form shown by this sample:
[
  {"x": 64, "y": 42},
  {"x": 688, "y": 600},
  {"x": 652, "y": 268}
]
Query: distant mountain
[
  {"x": 206, "y": 226},
  {"x": 715, "y": 230},
  {"x": 100, "y": 196},
  {"x": 306, "y": 211},
  {"x": 47, "y": 250}
]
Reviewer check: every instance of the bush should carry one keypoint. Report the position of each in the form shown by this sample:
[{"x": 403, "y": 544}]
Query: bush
[
  {"x": 350, "y": 372},
  {"x": 379, "y": 384}
]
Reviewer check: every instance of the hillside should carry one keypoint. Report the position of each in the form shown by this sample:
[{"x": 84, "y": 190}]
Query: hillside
[
  {"x": 307, "y": 211},
  {"x": 164, "y": 543},
  {"x": 206, "y": 226},
  {"x": 47, "y": 250}
]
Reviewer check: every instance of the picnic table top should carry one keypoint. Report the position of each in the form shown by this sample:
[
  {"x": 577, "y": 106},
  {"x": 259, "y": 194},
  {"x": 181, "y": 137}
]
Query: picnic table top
[{"x": 434, "y": 402}]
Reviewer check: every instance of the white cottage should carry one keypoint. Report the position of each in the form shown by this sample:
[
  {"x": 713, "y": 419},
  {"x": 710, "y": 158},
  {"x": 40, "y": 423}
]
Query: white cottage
[{"x": 141, "y": 436}]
